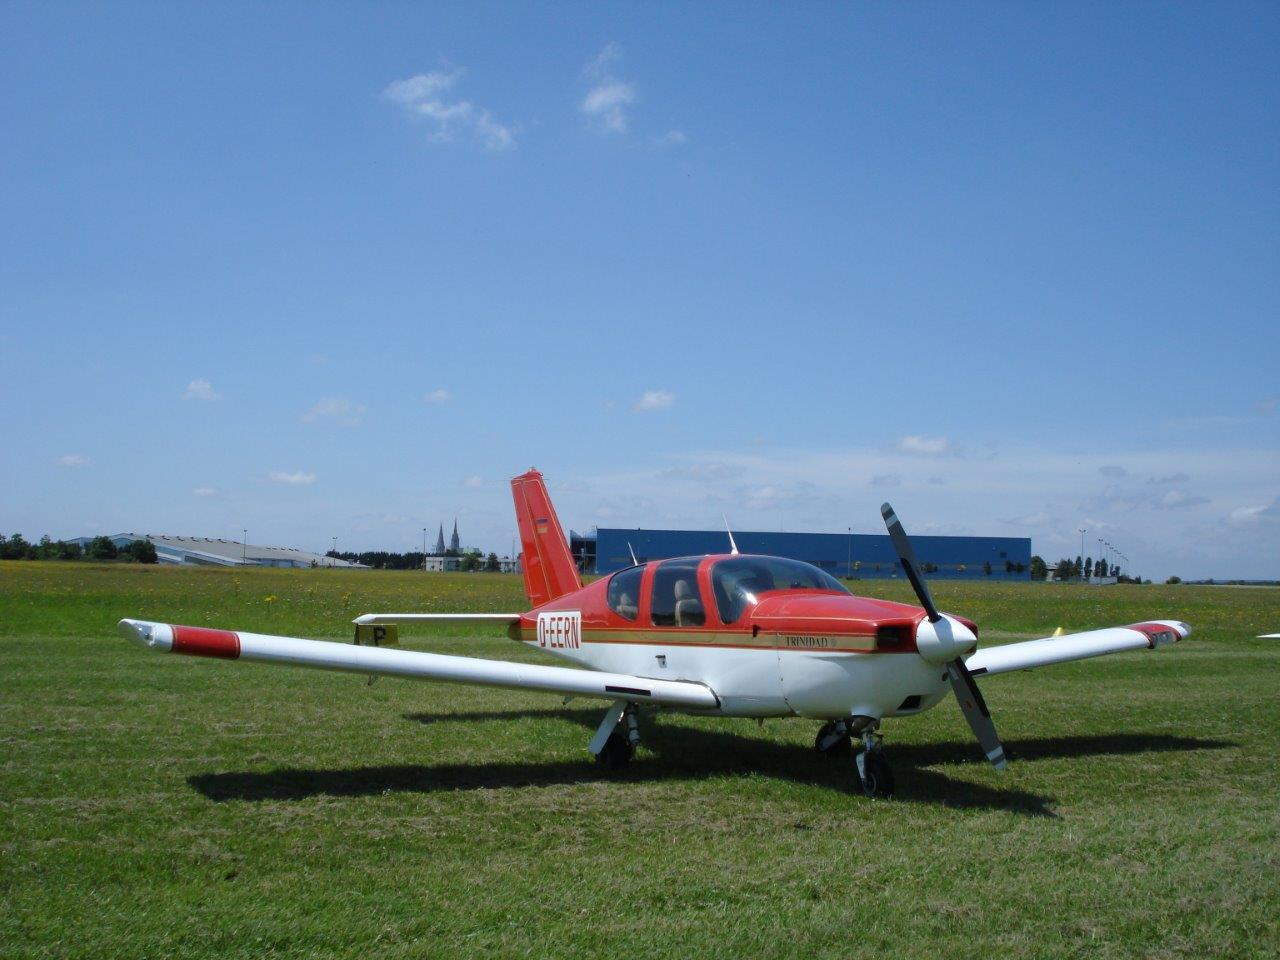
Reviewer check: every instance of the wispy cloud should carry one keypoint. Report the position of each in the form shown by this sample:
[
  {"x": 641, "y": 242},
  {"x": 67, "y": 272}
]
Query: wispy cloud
[
  {"x": 1113, "y": 470},
  {"x": 1170, "y": 478},
  {"x": 429, "y": 97},
  {"x": 925, "y": 446},
  {"x": 72, "y": 460},
  {"x": 473, "y": 481},
  {"x": 293, "y": 479},
  {"x": 672, "y": 138},
  {"x": 439, "y": 395},
  {"x": 885, "y": 480},
  {"x": 608, "y": 98},
  {"x": 655, "y": 400},
  {"x": 205, "y": 492},
  {"x": 338, "y": 409},
  {"x": 1262, "y": 513},
  {"x": 200, "y": 389}
]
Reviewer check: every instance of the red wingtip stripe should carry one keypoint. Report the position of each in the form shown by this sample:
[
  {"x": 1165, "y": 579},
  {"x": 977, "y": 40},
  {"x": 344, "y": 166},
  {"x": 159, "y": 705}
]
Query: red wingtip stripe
[
  {"x": 1157, "y": 633},
  {"x": 203, "y": 642}
]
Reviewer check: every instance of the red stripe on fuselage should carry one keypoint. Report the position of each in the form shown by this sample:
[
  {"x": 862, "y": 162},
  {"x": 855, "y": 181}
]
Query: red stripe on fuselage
[{"x": 204, "y": 642}]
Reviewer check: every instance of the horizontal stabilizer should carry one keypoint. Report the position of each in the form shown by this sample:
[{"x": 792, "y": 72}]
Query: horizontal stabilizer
[
  {"x": 1076, "y": 646},
  {"x": 384, "y": 661}
]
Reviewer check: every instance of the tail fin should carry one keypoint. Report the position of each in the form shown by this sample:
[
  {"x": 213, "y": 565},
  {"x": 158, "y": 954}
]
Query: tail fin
[{"x": 549, "y": 570}]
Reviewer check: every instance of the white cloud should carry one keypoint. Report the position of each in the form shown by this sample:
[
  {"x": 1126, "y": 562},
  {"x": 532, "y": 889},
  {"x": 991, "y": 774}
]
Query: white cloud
[
  {"x": 439, "y": 395},
  {"x": 199, "y": 390},
  {"x": 1262, "y": 513},
  {"x": 72, "y": 460},
  {"x": 294, "y": 479},
  {"x": 926, "y": 446},
  {"x": 608, "y": 98},
  {"x": 425, "y": 96},
  {"x": 339, "y": 409},
  {"x": 205, "y": 492},
  {"x": 655, "y": 400}
]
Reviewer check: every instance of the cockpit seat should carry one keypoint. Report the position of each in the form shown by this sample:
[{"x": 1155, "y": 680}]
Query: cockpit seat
[{"x": 689, "y": 609}]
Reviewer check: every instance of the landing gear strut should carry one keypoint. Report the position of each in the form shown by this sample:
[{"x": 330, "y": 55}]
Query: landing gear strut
[
  {"x": 618, "y": 736},
  {"x": 873, "y": 768},
  {"x": 833, "y": 740}
]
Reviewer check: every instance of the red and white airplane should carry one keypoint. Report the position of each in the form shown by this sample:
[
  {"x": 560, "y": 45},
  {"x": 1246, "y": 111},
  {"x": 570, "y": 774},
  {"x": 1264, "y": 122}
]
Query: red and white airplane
[{"x": 730, "y": 635}]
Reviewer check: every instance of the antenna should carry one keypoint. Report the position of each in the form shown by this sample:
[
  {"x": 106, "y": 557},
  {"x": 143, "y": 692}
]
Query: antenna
[
  {"x": 634, "y": 561},
  {"x": 733, "y": 547}
]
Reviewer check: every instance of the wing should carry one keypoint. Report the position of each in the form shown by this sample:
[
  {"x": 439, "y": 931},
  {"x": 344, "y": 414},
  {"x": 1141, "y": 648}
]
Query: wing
[
  {"x": 1076, "y": 646},
  {"x": 370, "y": 618},
  {"x": 324, "y": 655}
]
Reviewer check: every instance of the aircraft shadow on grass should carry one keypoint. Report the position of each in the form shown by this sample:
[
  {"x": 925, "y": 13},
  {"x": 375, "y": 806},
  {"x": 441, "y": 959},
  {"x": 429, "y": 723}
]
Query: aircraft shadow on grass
[{"x": 685, "y": 753}]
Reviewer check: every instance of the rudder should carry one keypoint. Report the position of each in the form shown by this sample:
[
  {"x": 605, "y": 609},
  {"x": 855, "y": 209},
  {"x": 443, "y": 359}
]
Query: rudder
[{"x": 549, "y": 570}]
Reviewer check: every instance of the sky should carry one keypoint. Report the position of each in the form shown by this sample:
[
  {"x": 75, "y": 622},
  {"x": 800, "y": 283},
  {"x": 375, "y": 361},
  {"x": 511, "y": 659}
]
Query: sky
[{"x": 342, "y": 270}]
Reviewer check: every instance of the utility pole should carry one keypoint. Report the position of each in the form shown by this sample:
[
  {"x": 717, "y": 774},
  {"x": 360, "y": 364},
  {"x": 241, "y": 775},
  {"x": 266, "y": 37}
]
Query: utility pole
[
  {"x": 848, "y": 564},
  {"x": 244, "y": 547},
  {"x": 1082, "y": 533},
  {"x": 334, "y": 562},
  {"x": 424, "y": 549}
]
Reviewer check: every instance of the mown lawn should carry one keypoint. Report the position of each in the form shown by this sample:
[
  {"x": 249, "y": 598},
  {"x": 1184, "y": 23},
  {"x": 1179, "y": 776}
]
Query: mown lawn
[{"x": 163, "y": 806}]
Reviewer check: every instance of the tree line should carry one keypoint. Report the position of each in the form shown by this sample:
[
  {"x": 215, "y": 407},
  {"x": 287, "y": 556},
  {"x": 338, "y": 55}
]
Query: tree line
[
  {"x": 468, "y": 560},
  {"x": 1079, "y": 569},
  {"x": 16, "y": 547}
]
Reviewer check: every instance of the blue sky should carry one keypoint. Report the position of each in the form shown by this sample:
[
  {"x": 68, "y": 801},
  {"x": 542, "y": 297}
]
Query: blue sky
[{"x": 323, "y": 270}]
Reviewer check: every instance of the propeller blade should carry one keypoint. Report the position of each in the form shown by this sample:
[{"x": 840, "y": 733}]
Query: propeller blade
[
  {"x": 907, "y": 557},
  {"x": 975, "y": 711}
]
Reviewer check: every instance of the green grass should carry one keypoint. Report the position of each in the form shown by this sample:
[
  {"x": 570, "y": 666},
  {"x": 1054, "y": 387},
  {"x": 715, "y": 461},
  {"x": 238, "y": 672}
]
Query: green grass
[{"x": 165, "y": 806}]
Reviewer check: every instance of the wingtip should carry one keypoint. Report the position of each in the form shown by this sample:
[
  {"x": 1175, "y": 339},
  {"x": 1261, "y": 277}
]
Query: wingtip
[{"x": 153, "y": 636}]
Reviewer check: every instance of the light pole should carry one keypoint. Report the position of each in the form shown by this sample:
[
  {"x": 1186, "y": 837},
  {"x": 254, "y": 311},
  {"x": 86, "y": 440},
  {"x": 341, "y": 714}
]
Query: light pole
[
  {"x": 1082, "y": 533},
  {"x": 335, "y": 552},
  {"x": 424, "y": 549},
  {"x": 244, "y": 547},
  {"x": 1105, "y": 570},
  {"x": 848, "y": 565}
]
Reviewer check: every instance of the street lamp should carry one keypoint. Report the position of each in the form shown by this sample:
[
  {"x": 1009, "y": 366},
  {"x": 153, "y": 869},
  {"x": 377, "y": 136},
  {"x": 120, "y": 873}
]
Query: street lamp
[
  {"x": 335, "y": 553},
  {"x": 848, "y": 565},
  {"x": 424, "y": 549},
  {"x": 244, "y": 547},
  {"x": 1082, "y": 533}
]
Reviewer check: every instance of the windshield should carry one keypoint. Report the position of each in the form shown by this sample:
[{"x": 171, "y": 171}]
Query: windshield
[{"x": 738, "y": 581}]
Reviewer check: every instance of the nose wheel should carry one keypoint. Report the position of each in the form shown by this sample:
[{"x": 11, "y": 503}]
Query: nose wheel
[{"x": 873, "y": 769}]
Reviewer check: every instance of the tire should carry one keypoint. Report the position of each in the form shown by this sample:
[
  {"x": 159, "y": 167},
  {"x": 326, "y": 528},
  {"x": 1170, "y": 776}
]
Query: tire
[
  {"x": 878, "y": 781},
  {"x": 841, "y": 749},
  {"x": 617, "y": 752}
]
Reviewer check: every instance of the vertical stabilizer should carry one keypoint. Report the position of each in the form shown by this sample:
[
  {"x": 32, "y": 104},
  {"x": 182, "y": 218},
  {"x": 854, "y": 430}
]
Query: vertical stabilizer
[{"x": 549, "y": 570}]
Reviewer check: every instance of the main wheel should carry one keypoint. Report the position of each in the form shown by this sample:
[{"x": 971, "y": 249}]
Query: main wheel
[
  {"x": 617, "y": 751},
  {"x": 877, "y": 779},
  {"x": 831, "y": 748}
]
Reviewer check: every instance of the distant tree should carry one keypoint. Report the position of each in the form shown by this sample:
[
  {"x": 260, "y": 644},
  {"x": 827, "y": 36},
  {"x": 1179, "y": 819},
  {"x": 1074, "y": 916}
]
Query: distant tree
[
  {"x": 15, "y": 548},
  {"x": 1174, "y": 580},
  {"x": 1039, "y": 569},
  {"x": 142, "y": 551},
  {"x": 68, "y": 551},
  {"x": 986, "y": 568},
  {"x": 491, "y": 563},
  {"x": 471, "y": 561},
  {"x": 1088, "y": 568},
  {"x": 101, "y": 548}
]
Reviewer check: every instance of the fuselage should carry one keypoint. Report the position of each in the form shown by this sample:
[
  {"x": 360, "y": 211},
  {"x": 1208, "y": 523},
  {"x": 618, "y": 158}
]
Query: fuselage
[{"x": 771, "y": 637}]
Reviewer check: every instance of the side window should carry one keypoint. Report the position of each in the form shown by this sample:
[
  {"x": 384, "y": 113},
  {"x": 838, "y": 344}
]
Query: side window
[
  {"x": 676, "y": 600},
  {"x": 624, "y": 592}
]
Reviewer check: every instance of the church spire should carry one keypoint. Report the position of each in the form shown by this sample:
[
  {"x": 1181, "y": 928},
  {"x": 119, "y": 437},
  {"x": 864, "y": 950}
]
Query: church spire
[
  {"x": 439, "y": 551},
  {"x": 453, "y": 541}
]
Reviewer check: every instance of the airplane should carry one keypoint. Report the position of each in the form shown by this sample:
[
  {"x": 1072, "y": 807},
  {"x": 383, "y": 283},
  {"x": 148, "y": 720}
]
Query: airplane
[{"x": 725, "y": 635}]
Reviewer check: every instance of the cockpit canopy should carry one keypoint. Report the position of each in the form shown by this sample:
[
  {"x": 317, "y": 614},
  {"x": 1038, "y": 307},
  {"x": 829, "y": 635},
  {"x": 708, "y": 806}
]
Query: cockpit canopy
[{"x": 737, "y": 582}]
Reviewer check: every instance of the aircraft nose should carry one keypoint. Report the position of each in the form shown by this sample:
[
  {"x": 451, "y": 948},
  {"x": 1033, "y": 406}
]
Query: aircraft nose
[{"x": 945, "y": 640}]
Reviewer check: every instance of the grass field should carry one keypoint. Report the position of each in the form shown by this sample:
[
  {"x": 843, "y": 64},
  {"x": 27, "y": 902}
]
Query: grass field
[{"x": 157, "y": 806}]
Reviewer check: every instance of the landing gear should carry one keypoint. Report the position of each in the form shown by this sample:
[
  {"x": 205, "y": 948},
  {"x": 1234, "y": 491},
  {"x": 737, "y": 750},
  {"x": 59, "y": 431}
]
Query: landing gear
[
  {"x": 873, "y": 769},
  {"x": 617, "y": 751},
  {"x": 618, "y": 736},
  {"x": 833, "y": 740}
]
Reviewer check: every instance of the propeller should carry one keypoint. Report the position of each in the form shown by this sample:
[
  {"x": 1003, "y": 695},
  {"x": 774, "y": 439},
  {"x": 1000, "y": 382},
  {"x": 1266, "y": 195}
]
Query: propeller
[{"x": 943, "y": 641}]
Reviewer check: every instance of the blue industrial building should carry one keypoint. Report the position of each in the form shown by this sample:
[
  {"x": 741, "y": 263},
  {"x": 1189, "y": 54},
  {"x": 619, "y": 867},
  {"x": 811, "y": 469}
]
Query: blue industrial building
[{"x": 861, "y": 556}]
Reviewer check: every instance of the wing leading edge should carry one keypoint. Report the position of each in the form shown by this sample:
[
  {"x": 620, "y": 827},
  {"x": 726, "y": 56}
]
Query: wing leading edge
[
  {"x": 1076, "y": 646},
  {"x": 325, "y": 655}
]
